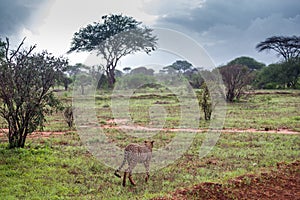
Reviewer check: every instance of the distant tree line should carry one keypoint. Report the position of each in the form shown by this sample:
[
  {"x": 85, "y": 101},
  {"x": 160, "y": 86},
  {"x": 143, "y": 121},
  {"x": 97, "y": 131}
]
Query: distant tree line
[
  {"x": 119, "y": 35},
  {"x": 239, "y": 75}
]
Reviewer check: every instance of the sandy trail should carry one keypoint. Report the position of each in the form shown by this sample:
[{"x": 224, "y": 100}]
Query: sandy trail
[
  {"x": 120, "y": 124},
  {"x": 37, "y": 134},
  {"x": 142, "y": 128}
]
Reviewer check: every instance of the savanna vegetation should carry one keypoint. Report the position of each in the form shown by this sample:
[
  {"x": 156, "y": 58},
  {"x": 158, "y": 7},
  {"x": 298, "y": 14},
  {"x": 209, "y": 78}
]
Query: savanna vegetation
[
  {"x": 60, "y": 166},
  {"x": 261, "y": 128}
]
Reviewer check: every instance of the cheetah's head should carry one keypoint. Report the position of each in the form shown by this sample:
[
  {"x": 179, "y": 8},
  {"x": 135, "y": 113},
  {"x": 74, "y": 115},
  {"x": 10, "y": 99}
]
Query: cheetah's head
[{"x": 149, "y": 144}]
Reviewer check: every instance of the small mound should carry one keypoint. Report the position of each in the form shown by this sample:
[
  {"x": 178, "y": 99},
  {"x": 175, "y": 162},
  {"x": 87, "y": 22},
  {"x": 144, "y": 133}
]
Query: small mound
[{"x": 281, "y": 183}]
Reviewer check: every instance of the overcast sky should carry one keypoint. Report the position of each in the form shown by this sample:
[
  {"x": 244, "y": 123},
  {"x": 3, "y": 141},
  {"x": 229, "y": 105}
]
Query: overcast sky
[{"x": 226, "y": 29}]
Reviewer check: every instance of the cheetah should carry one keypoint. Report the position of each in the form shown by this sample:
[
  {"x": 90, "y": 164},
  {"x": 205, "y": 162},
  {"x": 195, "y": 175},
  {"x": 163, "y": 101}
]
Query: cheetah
[{"x": 133, "y": 154}]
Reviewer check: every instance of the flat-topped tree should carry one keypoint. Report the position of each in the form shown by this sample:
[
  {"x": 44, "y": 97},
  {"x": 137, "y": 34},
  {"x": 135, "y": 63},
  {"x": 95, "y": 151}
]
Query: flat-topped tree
[
  {"x": 287, "y": 72},
  {"x": 287, "y": 47},
  {"x": 114, "y": 38},
  {"x": 181, "y": 66},
  {"x": 25, "y": 89}
]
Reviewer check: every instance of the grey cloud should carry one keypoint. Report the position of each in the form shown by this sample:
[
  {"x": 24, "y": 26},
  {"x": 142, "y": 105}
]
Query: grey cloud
[
  {"x": 239, "y": 13},
  {"x": 18, "y": 14},
  {"x": 228, "y": 42},
  {"x": 170, "y": 7},
  {"x": 233, "y": 27}
]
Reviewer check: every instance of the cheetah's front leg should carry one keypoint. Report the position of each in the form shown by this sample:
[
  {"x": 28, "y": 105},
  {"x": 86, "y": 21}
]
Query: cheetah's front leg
[
  {"x": 147, "y": 177},
  {"x": 124, "y": 179},
  {"x": 147, "y": 166}
]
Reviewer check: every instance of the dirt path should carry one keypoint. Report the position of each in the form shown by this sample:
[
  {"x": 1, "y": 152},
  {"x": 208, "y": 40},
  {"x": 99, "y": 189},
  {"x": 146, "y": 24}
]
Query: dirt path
[
  {"x": 142, "y": 128},
  {"x": 120, "y": 124},
  {"x": 280, "y": 183},
  {"x": 37, "y": 134},
  {"x": 111, "y": 124}
]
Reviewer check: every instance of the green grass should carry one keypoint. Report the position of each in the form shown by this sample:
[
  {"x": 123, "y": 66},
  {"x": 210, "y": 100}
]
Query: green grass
[
  {"x": 61, "y": 168},
  {"x": 271, "y": 111}
]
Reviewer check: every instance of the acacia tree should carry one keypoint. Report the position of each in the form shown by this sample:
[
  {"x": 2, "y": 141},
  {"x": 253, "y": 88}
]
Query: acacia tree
[
  {"x": 235, "y": 78},
  {"x": 287, "y": 47},
  {"x": 287, "y": 72},
  {"x": 113, "y": 39},
  {"x": 25, "y": 95},
  {"x": 127, "y": 69},
  {"x": 181, "y": 66}
]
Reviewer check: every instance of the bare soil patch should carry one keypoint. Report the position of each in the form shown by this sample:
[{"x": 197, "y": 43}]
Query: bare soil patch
[
  {"x": 280, "y": 183},
  {"x": 120, "y": 124},
  {"x": 37, "y": 134}
]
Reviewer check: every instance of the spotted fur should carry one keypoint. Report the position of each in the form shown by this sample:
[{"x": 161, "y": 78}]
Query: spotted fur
[{"x": 134, "y": 154}]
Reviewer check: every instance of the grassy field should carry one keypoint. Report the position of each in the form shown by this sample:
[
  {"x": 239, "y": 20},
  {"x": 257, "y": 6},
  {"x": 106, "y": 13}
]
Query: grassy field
[
  {"x": 266, "y": 109},
  {"x": 60, "y": 167}
]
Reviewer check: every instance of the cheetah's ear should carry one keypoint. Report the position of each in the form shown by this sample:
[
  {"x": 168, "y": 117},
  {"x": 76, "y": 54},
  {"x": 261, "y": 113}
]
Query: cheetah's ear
[
  {"x": 152, "y": 141},
  {"x": 146, "y": 141}
]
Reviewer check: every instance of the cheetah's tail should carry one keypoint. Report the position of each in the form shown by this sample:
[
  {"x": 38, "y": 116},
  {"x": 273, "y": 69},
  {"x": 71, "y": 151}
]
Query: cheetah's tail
[{"x": 116, "y": 174}]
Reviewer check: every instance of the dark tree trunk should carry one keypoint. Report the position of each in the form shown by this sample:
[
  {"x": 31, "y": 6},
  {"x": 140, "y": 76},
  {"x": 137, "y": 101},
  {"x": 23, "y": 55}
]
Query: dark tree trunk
[
  {"x": 17, "y": 140},
  {"x": 13, "y": 141},
  {"x": 66, "y": 86},
  {"x": 230, "y": 96},
  {"x": 111, "y": 77}
]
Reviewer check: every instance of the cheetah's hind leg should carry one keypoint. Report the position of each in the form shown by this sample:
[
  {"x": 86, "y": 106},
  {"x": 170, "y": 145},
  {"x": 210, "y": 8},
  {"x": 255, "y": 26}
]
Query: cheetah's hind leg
[
  {"x": 124, "y": 179},
  {"x": 130, "y": 179}
]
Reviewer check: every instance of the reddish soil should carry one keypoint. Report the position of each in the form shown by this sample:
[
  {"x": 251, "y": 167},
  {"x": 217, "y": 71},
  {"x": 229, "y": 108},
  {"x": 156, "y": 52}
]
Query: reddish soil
[
  {"x": 46, "y": 134},
  {"x": 280, "y": 183},
  {"x": 122, "y": 125},
  {"x": 38, "y": 134}
]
